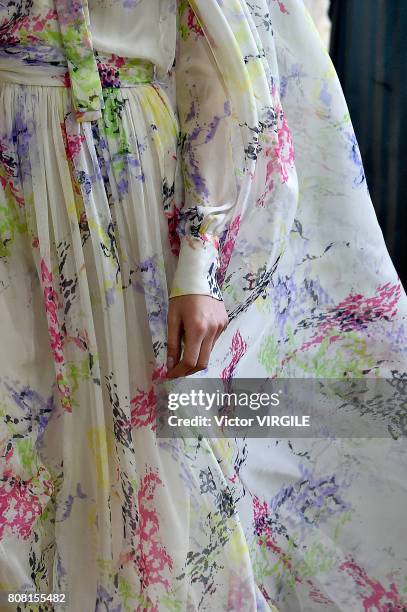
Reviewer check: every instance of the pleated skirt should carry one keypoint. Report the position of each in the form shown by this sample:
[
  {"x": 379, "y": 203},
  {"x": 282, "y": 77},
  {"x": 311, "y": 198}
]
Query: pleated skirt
[{"x": 92, "y": 504}]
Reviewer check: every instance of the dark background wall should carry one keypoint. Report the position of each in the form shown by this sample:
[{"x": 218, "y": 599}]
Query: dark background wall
[{"x": 369, "y": 50}]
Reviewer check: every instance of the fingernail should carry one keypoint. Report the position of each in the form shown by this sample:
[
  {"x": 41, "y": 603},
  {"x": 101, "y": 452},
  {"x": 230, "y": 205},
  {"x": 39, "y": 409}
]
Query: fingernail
[{"x": 170, "y": 363}]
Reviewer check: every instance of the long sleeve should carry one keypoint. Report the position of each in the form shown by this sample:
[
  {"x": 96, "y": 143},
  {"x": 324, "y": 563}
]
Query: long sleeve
[{"x": 206, "y": 157}]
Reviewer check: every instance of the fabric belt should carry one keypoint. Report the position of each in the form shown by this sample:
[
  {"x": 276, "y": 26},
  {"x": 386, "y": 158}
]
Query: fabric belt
[
  {"x": 112, "y": 71},
  {"x": 86, "y": 74}
]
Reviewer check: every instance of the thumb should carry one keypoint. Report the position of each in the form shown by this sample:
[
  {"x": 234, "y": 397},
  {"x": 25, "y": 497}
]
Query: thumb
[{"x": 174, "y": 335}]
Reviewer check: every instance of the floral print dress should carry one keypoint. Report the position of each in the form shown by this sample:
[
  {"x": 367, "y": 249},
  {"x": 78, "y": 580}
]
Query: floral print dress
[{"x": 126, "y": 179}]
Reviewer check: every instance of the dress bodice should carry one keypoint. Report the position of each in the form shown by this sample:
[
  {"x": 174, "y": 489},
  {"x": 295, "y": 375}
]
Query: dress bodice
[{"x": 144, "y": 29}]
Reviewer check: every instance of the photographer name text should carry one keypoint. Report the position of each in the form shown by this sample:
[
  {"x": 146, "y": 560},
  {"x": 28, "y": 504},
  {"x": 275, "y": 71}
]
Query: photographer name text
[{"x": 269, "y": 420}]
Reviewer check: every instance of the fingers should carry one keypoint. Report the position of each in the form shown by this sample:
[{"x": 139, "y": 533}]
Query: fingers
[
  {"x": 205, "y": 353},
  {"x": 174, "y": 337},
  {"x": 207, "y": 346},
  {"x": 194, "y": 336},
  {"x": 202, "y": 320},
  {"x": 199, "y": 342}
]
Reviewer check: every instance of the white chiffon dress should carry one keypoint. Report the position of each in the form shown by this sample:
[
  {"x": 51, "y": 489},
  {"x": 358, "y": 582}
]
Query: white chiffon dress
[{"x": 153, "y": 148}]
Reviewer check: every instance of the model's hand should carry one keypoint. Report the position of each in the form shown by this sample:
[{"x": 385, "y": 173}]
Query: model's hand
[{"x": 198, "y": 320}]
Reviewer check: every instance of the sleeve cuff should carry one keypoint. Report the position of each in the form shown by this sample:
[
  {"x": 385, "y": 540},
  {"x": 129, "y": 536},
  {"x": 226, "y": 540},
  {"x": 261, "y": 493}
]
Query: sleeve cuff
[{"x": 198, "y": 263}]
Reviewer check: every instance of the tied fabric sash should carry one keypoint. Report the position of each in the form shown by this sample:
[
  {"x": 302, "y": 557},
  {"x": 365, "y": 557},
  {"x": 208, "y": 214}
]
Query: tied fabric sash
[
  {"x": 223, "y": 33},
  {"x": 242, "y": 53},
  {"x": 73, "y": 18}
]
